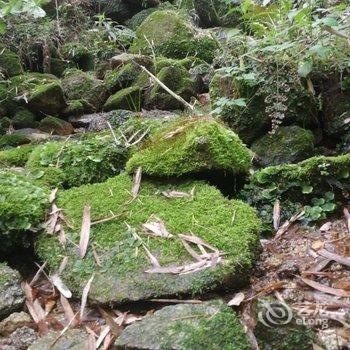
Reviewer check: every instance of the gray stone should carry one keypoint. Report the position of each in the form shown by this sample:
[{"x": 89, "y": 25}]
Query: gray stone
[
  {"x": 11, "y": 295},
  {"x": 14, "y": 321},
  {"x": 23, "y": 337},
  {"x": 209, "y": 325},
  {"x": 73, "y": 339}
]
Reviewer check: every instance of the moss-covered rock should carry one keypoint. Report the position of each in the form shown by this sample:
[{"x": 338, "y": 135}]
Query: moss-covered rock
[
  {"x": 78, "y": 56},
  {"x": 173, "y": 36},
  {"x": 253, "y": 118},
  {"x": 218, "y": 13},
  {"x": 15, "y": 156},
  {"x": 192, "y": 146},
  {"x": 121, "y": 78},
  {"x": 129, "y": 98},
  {"x": 53, "y": 125},
  {"x": 179, "y": 81},
  {"x": 124, "y": 58},
  {"x": 210, "y": 325},
  {"x": 79, "y": 85},
  {"x": 24, "y": 119},
  {"x": 121, "y": 276},
  {"x": 11, "y": 295},
  {"x": 43, "y": 92},
  {"x": 5, "y": 122},
  {"x": 77, "y": 108},
  {"x": 289, "y": 144},
  {"x": 10, "y": 63},
  {"x": 13, "y": 140},
  {"x": 84, "y": 161},
  {"x": 22, "y": 204}
]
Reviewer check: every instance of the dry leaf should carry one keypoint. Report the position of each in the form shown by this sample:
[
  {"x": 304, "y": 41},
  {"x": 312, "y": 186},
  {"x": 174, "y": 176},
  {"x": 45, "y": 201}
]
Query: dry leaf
[
  {"x": 335, "y": 257},
  {"x": 276, "y": 214},
  {"x": 84, "y": 297},
  {"x": 152, "y": 258},
  {"x": 326, "y": 227},
  {"x": 104, "y": 331},
  {"x": 325, "y": 289},
  {"x": 137, "y": 182},
  {"x": 284, "y": 228},
  {"x": 317, "y": 245},
  {"x": 52, "y": 195},
  {"x": 347, "y": 219},
  {"x": 175, "y": 194},
  {"x": 68, "y": 311},
  {"x": 157, "y": 228},
  {"x": 85, "y": 232},
  {"x": 236, "y": 300},
  {"x": 58, "y": 283}
]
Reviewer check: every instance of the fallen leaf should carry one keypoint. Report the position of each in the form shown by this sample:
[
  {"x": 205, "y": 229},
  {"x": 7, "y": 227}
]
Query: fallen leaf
[
  {"x": 326, "y": 227},
  {"x": 68, "y": 311},
  {"x": 137, "y": 182},
  {"x": 276, "y": 214},
  {"x": 325, "y": 289},
  {"x": 84, "y": 297},
  {"x": 58, "y": 283},
  {"x": 157, "y": 228},
  {"x": 335, "y": 257},
  {"x": 85, "y": 232},
  {"x": 175, "y": 194},
  {"x": 347, "y": 218},
  {"x": 52, "y": 195},
  {"x": 104, "y": 331},
  {"x": 152, "y": 258},
  {"x": 317, "y": 245},
  {"x": 236, "y": 300},
  {"x": 284, "y": 228}
]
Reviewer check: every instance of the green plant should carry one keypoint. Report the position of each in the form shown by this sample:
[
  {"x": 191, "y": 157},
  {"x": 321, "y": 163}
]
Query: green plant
[{"x": 320, "y": 207}]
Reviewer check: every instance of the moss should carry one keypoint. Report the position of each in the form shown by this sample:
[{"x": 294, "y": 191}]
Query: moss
[
  {"x": 78, "y": 107},
  {"x": 16, "y": 156},
  {"x": 56, "y": 126},
  {"x": 43, "y": 92},
  {"x": 128, "y": 98},
  {"x": 289, "y": 144},
  {"x": 209, "y": 325},
  {"x": 22, "y": 204},
  {"x": 192, "y": 146},
  {"x": 178, "y": 80},
  {"x": 185, "y": 63},
  {"x": 4, "y": 277},
  {"x": 78, "y": 56},
  {"x": 121, "y": 275},
  {"x": 122, "y": 78},
  {"x": 172, "y": 36},
  {"x": 12, "y": 140},
  {"x": 24, "y": 119},
  {"x": 10, "y": 63},
  {"x": 82, "y": 85},
  {"x": 83, "y": 161},
  {"x": 5, "y": 122}
]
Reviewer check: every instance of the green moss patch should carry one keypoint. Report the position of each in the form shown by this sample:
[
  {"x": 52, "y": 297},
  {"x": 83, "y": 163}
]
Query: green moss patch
[
  {"x": 230, "y": 226},
  {"x": 210, "y": 325},
  {"x": 89, "y": 160},
  {"x": 10, "y": 63},
  {"x": 15, "y": 156},
  {"x": 191, "y": 146},
  {"x": 12, "y": 140}
]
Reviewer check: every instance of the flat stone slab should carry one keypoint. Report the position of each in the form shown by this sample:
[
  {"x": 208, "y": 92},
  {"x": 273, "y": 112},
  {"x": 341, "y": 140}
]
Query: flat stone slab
[
  {"x": 120, "y": 250},
  {"x": 210, "y": 325},
  {"x": 11, "y": 294}
]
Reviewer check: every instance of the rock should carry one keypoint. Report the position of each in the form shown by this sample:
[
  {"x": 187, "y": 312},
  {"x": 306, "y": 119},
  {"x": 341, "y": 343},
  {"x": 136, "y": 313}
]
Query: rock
[
  {"x": 79, "y": 56},
  {"x": 125, "y": 58},
  {"x": 122, "y": 276},
  {"x": 57, "y": 126},
  {"x": 179, "y": 81},
  {"x": 13, "y": 140},
  {"x": 22, "y": 209},
  {"x": 89, "y": 160},
  {"x": 79, "y": 85},
  {"x": 11, "y": 295},
  {"x": 192, "y": 146},
  {"x": 290, "y": 144},
  {"x": 122, "y": 78},
  {"x": 210, "y": 325},
  {"x": 218, "y": 13},
  {"x": 16, "y": 157},
  {"x": 24, "y": 119},
  {"x": 73, "y": 339},
  {"x": 77, "y": 108},
  {"x": 39, "y": 92},
  {"x": 117, "y": 10},
  {"x": 22, "y": 338},
  {"x": 128, "y": 98},
  {"x": 10, "y": 63},
  {"x": 35, "y": 135},
  {"x": 13, "y": 322},
  {"x": 172, "y": 36}
]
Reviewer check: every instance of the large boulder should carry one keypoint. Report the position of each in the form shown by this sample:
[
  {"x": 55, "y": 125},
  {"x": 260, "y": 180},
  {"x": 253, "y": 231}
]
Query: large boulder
[
  {"x": 289, "y": 144},
  {"x": 125, "y": 272},
  {"x": 53, "y": 125},
  {"x": 192, "y": 145},
  {"x": 169, "y": 34},
  {"x": 209, "y": 325},
  {"x": 39, "y": 92},
  {"x": 79, "y": 85},
  {"x": 10, "y": 63},
  {"x": 129, "y": 98},
  {"x": 11, "y": 295}
]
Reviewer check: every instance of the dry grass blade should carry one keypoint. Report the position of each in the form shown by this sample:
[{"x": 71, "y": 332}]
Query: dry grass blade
[
  {"x": 171, "y": 269},
  {"x": 175, "y": 194},
  {"x": 335, "y": 257},
  {"x": 28, "y": 291},
  {"x": 191, "y": 251},
  {"x": 102, "y": 336},
  {"x": 124, "y": 318},
  {"x": 325, "y": 289},
  {"x": 63, "y": 265},
  {"x": 154, "y": 261},
  {"x": 347, "y": 218},
  {"x": 64, "y": 330},
  {"x": 114, "y": 327},
  {"x": 36, "y": 311},
  {"x": 196, "y": 240},
  {"x": 85, "y": 232},
  {"x": 276, "y": 214},
  {"x": 52, "y": 195},
  {"x": 38, "y": 273},
  {"x": 284, "y": 228},
  {"x": 236, "y": 300},
  {"x": 68, "y": 311},
  {"x": 137, "y": 182},
  {"x": 58, "y": 283},
  {"x": 156, "y": 228},
  {"x": 84, "y": 297}
]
